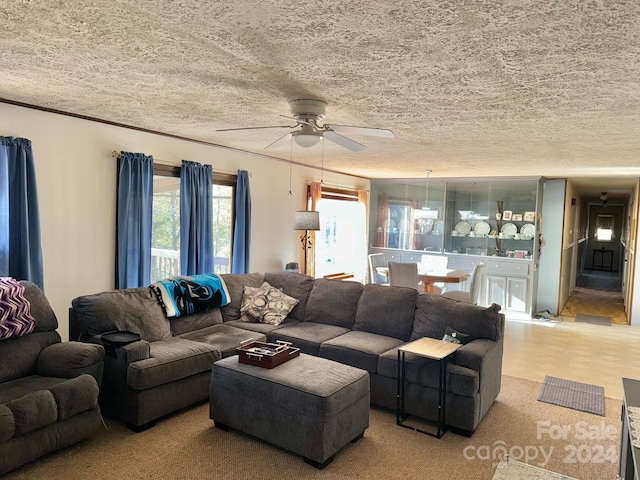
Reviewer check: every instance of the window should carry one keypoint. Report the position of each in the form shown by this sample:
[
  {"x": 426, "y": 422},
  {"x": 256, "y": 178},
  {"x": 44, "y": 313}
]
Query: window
[
  {"x": 341, "y": 241},
  {"x": 604, "y": 228},
  {"x": 165, "y": 234}
]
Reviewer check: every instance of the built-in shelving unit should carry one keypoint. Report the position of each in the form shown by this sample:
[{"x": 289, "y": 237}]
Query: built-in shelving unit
[{"x": 495, "y": 221}]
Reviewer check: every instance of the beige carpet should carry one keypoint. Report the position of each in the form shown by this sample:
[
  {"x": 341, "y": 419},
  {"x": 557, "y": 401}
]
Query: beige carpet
[{"x": 186, "y": 445}]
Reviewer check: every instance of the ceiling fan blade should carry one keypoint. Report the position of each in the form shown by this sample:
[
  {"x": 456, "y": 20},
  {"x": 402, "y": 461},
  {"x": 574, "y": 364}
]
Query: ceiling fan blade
[
  {"x": 254, "y": 128},
  {"x": 344, "y": 141},
  {"x": 280, "y": 141},
  {"x": 372, "y": 132}
]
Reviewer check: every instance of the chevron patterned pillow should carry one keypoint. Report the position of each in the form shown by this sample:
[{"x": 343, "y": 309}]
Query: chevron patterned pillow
[{"x": 15, "y": 315}]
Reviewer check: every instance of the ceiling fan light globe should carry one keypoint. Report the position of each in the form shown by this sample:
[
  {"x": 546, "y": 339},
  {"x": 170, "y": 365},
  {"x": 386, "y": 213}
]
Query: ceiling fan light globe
[{"x": 307, "y": 141}]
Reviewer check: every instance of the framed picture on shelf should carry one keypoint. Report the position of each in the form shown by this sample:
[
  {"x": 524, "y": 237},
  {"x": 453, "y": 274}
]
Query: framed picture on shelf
[
  {"x": 517, "y": 217},
  {"x": 506, "y": 215},
  {"x": 529, "y": 216}
]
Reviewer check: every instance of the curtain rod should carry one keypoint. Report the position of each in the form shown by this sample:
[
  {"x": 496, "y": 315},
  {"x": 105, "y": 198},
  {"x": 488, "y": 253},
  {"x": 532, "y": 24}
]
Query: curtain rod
[{"x": 116, "y": 154}]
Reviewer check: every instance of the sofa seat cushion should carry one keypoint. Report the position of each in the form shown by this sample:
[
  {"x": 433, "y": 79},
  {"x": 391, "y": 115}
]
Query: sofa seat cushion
[
  {"x": 260, "y": 327},
  {"x": 423, "y": 371},
  {"x": 307, "y": 336},
  {"x": 358, "y": 349},
  {"x": 171, "y": 360},
  {"x": 225, "y": 338},
  {"x": 386, "y": 311},
  {"x": 33, "y": 402}
]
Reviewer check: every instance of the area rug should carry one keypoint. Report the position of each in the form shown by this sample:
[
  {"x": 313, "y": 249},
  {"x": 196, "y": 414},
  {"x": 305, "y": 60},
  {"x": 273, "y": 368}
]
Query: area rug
[
  {"x": 510, "y": 469},
  {"x": 576, "y": 395},
  {"x": 595, "y": 319}
]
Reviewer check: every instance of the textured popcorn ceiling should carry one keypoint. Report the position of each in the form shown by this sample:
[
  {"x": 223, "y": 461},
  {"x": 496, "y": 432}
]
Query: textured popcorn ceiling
[{"x": 470, "y": 88}]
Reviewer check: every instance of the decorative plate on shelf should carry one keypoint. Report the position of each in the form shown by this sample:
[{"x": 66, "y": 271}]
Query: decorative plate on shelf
[
  {"x": 528, "y": 230},
  {"x": 463, "y": 228},
  {"x": 482, "y": 228},
  {"x": 438, "y": 228},
  {"x": 426, "y": 225},
  {"x": 390, "y": 226},
  {"x": 509, "y": 229}
]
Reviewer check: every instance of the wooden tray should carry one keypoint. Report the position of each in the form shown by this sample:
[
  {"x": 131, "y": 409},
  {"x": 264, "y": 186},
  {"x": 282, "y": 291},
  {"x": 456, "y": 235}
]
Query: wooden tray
[{"x": 266, "y": 355}]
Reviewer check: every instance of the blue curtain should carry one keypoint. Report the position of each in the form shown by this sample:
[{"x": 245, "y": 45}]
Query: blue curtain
[
  {"x": 196, "y": 218},
  {"x": 135, "y": 201},
  {"x": 242, "y": 230},
  {"x": 20, "y": 247}
]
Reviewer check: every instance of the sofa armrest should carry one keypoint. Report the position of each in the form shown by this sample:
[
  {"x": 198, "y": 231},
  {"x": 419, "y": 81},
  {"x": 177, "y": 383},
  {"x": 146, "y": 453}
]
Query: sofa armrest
[
  {"x": 71, "y": 359},
  {"x": 485, "y": 357},
  {"x": 132, "y": 352},
  {"x": 116, "y": 365}
]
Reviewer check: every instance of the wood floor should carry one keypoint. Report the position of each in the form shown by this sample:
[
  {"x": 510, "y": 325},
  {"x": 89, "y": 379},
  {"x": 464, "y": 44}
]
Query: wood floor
[{"x": 582, "y": 352}]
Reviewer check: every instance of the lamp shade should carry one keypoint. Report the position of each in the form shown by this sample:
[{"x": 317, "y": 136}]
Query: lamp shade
[{"x": 305, "y": 220}]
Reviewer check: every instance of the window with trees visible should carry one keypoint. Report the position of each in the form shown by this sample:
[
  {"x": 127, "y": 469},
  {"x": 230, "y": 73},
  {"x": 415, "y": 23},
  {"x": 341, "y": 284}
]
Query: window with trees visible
[{"x": 165, "y": 233}]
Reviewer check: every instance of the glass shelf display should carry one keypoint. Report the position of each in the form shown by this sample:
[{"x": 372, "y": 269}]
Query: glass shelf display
[{"x": 493, "y": 217}]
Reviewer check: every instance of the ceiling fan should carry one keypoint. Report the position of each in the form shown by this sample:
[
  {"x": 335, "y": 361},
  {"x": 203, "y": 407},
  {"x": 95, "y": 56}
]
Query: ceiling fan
[{"x": 308, "y": 115}]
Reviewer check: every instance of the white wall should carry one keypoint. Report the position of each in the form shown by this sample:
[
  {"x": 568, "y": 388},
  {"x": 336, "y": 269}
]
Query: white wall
[{"x": 76, "y": 177}]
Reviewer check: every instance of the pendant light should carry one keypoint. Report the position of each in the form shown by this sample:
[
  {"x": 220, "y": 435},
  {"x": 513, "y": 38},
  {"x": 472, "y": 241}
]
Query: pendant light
[{"x": 426, "y": 211}]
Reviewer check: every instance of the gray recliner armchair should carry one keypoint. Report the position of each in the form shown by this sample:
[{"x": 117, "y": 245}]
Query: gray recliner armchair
[{"x": 48, "y": 389}]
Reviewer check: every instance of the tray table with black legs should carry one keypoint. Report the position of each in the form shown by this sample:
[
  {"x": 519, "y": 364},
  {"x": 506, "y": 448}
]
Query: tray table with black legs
[{"x": 436, "y": 350}]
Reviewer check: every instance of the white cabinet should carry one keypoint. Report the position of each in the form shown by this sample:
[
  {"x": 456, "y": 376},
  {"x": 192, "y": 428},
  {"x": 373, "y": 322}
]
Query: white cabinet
[{"x": 507, "y": 284}]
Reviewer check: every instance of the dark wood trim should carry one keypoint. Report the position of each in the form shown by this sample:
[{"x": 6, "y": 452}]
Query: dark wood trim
[
  {"x": 335, "y": 194},
  {"x": 169, "y": 135}
]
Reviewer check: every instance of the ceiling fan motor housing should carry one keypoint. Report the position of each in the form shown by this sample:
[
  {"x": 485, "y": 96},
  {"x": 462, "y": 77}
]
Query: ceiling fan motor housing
[{"x": 307, "y": 109}]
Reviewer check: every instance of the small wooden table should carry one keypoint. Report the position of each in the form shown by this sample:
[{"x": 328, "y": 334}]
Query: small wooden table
[
  {"x": 431, "y": 276},
  {"x": 436, "y": 350}
]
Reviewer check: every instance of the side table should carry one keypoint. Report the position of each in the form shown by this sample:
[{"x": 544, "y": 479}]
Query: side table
[{"x": 435, "y": 350}]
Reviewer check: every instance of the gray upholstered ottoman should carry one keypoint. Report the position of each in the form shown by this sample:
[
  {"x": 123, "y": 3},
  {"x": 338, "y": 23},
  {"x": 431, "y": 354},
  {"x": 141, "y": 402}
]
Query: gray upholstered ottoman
[{"x": 309, "y": 405}]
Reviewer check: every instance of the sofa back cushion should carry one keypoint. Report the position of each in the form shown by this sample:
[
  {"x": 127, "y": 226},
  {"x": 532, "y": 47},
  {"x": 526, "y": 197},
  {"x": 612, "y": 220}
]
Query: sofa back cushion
[
  {"x": 235, "y": 286},
  {"x": 133, "y": 309},
  {"x": 434, "y": 313},
  {"x": 295, "y": 285},
  {"x": 195, "y": 321},
  {"x": 386, "y": 311},
  {"x": 333, "y": 302},
  {"x": 41, "y": 310},
  {"x": 20, "y": 354}
]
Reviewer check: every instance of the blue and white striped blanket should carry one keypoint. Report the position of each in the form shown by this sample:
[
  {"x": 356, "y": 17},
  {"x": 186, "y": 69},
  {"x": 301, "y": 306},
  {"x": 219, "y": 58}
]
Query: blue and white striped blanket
[{"x": 184, "y": 295}]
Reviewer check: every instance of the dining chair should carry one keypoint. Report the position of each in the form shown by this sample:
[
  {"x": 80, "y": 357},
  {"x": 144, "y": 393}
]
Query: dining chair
[
  {"x": 403, "y": 274},
  {"x": 475, "y": 284},
  {"x": 377, "y": 260}
]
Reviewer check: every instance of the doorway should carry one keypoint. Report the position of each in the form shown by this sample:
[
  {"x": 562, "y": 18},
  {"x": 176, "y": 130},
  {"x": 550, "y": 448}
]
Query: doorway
[{"x": 600, "y": 267}]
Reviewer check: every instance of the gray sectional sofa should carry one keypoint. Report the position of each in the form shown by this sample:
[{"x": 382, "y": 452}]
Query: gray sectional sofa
[{"x": 345, "y": 321}]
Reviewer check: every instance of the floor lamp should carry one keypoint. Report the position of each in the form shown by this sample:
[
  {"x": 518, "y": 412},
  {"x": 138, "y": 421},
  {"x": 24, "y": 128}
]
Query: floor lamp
[{"x": 306, "y": 220}]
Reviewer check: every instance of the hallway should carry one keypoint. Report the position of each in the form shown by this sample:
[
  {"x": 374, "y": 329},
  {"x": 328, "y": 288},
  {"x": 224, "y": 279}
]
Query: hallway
[{"x": 597, "y": 293}]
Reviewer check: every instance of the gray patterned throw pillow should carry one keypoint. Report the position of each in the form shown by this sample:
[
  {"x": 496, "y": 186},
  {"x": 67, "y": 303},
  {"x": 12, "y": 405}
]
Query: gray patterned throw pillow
[{"x": 266, "y": 304}]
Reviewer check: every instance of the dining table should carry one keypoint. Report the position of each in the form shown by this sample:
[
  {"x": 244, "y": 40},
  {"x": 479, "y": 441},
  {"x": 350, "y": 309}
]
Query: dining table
[{"x": 430, "y": 275}]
